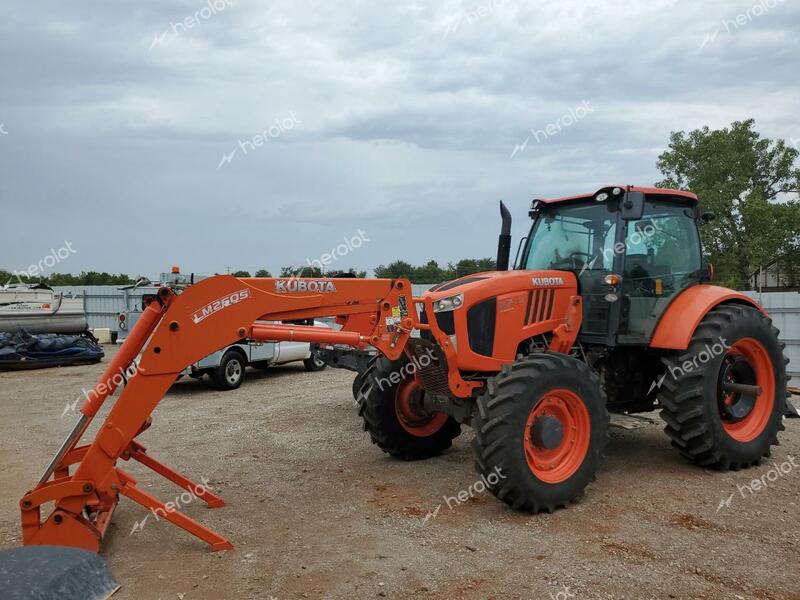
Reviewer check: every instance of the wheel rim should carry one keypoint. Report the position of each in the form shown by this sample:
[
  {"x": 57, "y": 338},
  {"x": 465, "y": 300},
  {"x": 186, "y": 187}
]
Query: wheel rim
[
  {"x": 233, "y": 371},
  {"x": 318, "y": 362},
  {"x": 745, "y": 415},
  {"x": 408, "y": 406},
  {"x": 557, "y": 435}
]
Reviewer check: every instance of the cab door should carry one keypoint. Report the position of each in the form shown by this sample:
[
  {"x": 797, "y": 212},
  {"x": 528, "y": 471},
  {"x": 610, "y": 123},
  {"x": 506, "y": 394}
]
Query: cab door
[{"x": 662, "y": 258}]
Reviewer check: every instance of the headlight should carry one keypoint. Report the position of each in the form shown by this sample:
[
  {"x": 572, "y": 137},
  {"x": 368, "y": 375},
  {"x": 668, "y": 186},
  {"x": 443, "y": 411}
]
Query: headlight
[{"x": 450, "y": 303}]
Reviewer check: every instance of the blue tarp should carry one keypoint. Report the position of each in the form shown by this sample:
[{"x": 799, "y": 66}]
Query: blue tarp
[{"x": 22, "y": 350}]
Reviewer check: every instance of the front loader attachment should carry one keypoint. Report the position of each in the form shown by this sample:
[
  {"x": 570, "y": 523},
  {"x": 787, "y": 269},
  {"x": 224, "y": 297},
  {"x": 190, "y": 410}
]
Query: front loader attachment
[{"x": 84, "y": 483}]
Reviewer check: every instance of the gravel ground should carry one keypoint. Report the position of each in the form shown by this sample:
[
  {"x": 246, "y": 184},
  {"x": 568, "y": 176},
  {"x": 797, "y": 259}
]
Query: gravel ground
[{"x": 316, "y": 511}]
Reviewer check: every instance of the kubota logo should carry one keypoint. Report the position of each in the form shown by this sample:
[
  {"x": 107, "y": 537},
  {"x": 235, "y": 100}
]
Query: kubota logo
[
  {"x": 217, "y": 305},
  {"x": 302, "y": 285},
  {"x": 547, "y": 281}
]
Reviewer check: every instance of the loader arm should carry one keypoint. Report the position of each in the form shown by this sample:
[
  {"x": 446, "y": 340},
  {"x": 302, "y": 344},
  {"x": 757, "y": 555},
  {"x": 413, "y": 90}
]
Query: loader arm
[{"x": 176, "y": 330}]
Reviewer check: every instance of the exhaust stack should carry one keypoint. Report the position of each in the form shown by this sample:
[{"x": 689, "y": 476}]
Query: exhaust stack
[{"x": 504, "y": 241}]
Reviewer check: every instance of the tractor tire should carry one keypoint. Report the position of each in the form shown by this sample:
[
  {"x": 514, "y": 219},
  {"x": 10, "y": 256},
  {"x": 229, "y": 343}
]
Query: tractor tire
[
  {"x": 540, "y": 431},
  {"x": 360, "y": 377},
  {"x": 723, "y": 429},
  {"x": 230, "y": 372},
  {"x": 392, "y": 416}
]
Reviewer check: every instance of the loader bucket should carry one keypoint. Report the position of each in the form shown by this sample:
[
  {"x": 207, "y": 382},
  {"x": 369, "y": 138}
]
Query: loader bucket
[{"x": 54, "y": 573}]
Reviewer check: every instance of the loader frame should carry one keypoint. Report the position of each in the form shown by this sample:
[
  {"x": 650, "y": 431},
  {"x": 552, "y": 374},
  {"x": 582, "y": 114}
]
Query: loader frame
[{"x": 177, "y": 329}]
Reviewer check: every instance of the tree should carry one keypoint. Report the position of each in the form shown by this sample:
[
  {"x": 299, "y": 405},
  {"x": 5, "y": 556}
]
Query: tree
[
  {"x": 263, "y": 273},
  {"x": 85, "y": 278},
  {"x": 394, "y": 270},
  {"x": 468, "y": 266},
  {"x": 241, "y": 274},
  {"x": 750, "y": 183},
  {"x": 430, "y": 272},
  {"x": 351, "y": 272},
  {"x": 307, "y": 271}
]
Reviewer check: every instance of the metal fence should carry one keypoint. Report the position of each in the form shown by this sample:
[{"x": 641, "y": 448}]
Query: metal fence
[
  {"x": 784, "y": 308},
  {"x": 105, "y": 302}
]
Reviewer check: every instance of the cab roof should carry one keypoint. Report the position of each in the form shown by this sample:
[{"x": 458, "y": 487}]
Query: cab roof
[{"x": 665, "y": 194}]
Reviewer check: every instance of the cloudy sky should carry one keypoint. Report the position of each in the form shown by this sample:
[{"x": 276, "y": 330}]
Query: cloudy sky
[{"x": 145, "y": 133}]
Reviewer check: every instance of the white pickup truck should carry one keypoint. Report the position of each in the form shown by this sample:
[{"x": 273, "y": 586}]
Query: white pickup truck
[{"x": 226, "y": 367}]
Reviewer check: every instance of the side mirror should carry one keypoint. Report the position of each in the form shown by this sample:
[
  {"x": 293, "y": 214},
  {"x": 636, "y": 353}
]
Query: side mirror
[
  {"x": 707, "y": 217},
  {"x": 632, "y": 206},
  {"x": 706, "y": 273}
]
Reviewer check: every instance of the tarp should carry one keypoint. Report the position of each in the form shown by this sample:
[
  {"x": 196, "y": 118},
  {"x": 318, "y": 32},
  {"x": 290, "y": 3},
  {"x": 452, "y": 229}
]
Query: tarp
[
  {"x": 54, "y": 573},
  {"x": 22, "y": 350}
]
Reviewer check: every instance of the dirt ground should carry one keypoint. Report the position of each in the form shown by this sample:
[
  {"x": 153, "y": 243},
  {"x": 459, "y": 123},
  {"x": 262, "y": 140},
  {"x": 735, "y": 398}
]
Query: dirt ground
[{"x": 316, "y": 511}]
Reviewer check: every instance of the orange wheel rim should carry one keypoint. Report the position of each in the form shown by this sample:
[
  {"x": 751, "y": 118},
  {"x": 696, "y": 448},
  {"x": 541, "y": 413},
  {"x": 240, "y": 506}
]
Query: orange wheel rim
[
  {"x": 746, "y": 362},
  {"x": 557, "y": 436},
  {"x": 407, "y": 405}
]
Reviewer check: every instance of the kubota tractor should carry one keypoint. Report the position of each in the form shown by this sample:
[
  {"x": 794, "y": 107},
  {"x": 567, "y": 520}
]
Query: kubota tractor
[{"x": 609, "y": 309}]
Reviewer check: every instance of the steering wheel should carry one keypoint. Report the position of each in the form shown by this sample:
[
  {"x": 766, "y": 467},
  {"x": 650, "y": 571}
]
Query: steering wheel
[{"x": 575, "y": 260}]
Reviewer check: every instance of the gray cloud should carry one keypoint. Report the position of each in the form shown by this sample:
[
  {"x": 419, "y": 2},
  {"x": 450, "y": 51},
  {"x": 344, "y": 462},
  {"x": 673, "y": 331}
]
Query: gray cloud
[{"x": 408, "y": 115}]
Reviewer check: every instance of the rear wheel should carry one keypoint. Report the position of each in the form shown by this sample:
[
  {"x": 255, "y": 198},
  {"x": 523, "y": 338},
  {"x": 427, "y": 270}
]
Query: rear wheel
[
  {"x": 724, "y": 397},
  {"x": 541, "y": 428},
  {"x": 390, "y": 402},
  {"x": 230, "y": 372}
]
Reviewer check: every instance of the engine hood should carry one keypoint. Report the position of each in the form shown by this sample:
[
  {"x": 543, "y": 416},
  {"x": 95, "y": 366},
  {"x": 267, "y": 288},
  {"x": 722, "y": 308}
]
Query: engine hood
[{"x": 501, "y": 282}]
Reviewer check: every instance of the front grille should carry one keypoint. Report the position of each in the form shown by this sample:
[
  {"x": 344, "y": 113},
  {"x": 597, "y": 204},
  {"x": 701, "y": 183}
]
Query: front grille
[
  {"x": 481, "y": 320},
  {"x": 540, "y": 305},
  {"x": 431, "y": 365}
]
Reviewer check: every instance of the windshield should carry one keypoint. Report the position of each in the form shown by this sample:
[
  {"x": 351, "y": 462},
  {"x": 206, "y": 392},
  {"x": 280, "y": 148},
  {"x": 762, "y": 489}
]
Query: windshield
[{"x": 570, "y": 236}]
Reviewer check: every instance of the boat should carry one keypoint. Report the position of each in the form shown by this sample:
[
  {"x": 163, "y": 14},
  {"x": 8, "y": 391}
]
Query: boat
[{"x": 39, "y": 309}]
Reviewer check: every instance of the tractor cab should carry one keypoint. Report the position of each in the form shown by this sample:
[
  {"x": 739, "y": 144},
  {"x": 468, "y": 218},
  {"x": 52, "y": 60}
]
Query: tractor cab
[{"x": 632, "y": 250}]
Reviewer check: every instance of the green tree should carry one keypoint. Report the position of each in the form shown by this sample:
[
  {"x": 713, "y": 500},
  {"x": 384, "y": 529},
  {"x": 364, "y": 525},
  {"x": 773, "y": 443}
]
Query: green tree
[
  {"x": 241, "y": 274},
  {"x": 430, "y": 272},
  {"x": 307, "y": 271},
  {"x": 394, "y": 270},
  {"x": 351, "y": 272},
  {"x": 750, "y": 183},
  {"x": 263, "y": 273},
  {"x": 468, "y": 266}
]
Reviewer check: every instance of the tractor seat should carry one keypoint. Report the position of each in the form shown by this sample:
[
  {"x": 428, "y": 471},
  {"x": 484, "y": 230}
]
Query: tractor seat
[{"x": 641, "y": 275}]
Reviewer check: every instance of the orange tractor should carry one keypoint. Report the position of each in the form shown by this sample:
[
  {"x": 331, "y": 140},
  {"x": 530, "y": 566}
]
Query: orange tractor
[{"x": 609, "y": 309}]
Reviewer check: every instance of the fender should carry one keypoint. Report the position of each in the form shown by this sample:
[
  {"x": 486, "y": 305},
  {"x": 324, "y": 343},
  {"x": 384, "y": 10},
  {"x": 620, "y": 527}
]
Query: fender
[{"x": 676, "y": 326}]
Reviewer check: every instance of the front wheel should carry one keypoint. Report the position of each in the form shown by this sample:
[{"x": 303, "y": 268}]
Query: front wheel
[
  {"x": 390, "y": 402},
  {"x": 230, "y": 372},
  {"x": 540, "y": 431},
  {"x": 724, "y": 397}
]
